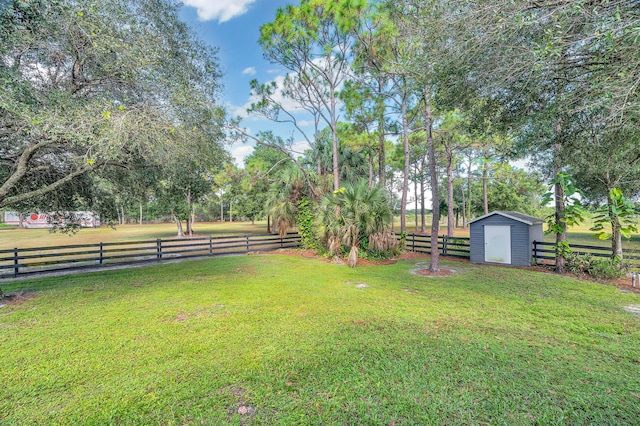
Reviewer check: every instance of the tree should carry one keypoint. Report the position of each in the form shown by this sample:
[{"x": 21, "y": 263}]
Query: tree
[
  {"x": 314, "y": 42},
  {"x": 364, "y": 214},
  {"x": 92, "y": 84},
  {"x": 285, "y": 192},
  {"x": 422, "y": 29},
  {"x": 449, "y": 134},
  {"x": 262, "y": 166},
  {"x": 607, "y": 167},
  {"x": 622, "y": 217}
]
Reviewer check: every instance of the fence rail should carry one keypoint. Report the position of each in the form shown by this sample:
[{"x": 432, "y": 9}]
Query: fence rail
[
  {"x": 543, "y": 251},
  {"x": 23, "y": 261},
  {"x": 448, "y": 246}
]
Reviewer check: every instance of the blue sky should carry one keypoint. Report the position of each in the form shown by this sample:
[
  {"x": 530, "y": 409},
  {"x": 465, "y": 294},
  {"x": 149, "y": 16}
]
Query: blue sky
[{"x": 233, "y": 26}]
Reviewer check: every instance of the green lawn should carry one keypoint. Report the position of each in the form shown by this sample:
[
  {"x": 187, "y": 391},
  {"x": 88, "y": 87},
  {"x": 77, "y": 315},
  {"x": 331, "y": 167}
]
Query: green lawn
[{"x": 291, "y": 341}]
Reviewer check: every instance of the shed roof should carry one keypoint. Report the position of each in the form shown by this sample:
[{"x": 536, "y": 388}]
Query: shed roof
[{"x": 520, "y": 217}]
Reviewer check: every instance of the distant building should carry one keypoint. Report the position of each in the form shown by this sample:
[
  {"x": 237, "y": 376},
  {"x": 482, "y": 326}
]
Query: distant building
[{"x": 46, "y": 220}]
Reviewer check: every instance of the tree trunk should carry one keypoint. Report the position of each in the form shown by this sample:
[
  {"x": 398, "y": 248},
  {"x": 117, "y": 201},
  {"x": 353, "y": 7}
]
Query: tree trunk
[
  {"x": 20, "y": 221},
  {"x": 268, "y": 224},
  {"x": 561, "y": 237},
  {"x": 616, "y": 236},
  {"x": 370, "y": 170},
  {"x": 415, "y": 190},
  {"x": 334, "y": 139},
  {"x": 485, "y": 199},
  {"x": 178, "y": 224},
  {"x": 464, "y": 207},
  {"x": 123, "y": 218},
  {"x": 381, "y": 142},
  {"x": 434, "y": 266},
  {"x": 221, "y": 210},
  {"x": 189, "y": 231},
  {"x": 468, "y": 193},
  {"x": 140, "y": 217},
  {"x": 423, "y": 219},
  {"x": 450, "y": 218},
  {"x": 405, "y": 170},
  {"x": 230, "y": 212}
]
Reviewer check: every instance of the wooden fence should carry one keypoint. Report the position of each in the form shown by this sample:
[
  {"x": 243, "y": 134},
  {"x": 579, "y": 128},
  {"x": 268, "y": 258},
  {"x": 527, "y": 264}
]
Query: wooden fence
[
  {"x": 15, "y": 262},
  {"x": 545, "y": 252},
  {"x": 448, "y": 246}
]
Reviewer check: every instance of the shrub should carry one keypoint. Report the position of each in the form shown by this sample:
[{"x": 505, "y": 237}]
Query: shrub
[
  {"x": 578, "y": 263},
  {"x": 606, "y": 269},
  {"x": 596, "y": 267}
]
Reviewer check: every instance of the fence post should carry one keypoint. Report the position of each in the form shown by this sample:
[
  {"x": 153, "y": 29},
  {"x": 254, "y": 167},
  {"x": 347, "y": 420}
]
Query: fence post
[
  {"x": 413, "y": 242},
  {"x": 159, "y": 248},
  {"x": 445, "y": 240},
  {"x": 15, "y": 262},
  {"x": 281, "y": 243},
  {"x": 210, "y": 245},
  {"x": 101, "y": 251},
  {"x": 247, "y": 237},
  {"x": 535, "y": 252}
]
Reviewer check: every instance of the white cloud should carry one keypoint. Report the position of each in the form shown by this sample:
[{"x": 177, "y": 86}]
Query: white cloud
[
  {"x": 298, "y": 148},
  {"x": 222, "y": 10},
  {"x": 305, "y": 123},
  {"x": 240, "y": 153},
  {"x": 249, "y": 71}
]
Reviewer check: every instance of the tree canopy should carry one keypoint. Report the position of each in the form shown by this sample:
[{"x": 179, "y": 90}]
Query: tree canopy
[{"x": 98, "y": 83}]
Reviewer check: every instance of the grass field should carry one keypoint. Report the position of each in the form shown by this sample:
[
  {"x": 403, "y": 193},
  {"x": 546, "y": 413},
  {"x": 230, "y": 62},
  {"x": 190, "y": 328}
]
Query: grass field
[
  {"x": 11, "y": 237},
  {"x": 288, "y": 340}
]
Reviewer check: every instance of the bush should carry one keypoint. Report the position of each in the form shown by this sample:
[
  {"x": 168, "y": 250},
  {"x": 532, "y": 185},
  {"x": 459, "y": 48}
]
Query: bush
[
  {"x": 578, "y": 264},
  {"x": 596, "y": 267},
  {"x": 606, "y": 269}
]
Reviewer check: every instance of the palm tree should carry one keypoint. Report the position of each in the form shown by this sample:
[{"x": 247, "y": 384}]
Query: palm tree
[
  {"x": 282, "y": 202},
  {"x": 364, "y": 213}
]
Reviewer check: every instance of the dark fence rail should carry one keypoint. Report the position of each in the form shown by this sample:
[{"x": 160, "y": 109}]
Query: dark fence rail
[
  {"x": 448, "y": 246},
  {"x": 543, "y": 251},
  {"x": 15, "y": 262}
]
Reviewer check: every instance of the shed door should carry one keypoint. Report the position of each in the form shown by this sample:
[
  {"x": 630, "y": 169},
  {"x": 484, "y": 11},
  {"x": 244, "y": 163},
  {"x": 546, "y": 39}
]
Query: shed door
[{"x": 497, "y": 244}]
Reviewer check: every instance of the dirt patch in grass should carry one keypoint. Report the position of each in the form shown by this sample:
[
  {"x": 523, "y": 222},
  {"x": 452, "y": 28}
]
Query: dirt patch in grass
[
  {"x": 441, "y": 273},
  {"x": 16, "y": 298},
  {"x": 245, "y": 269},
  {"x": 624, "y": 284}
]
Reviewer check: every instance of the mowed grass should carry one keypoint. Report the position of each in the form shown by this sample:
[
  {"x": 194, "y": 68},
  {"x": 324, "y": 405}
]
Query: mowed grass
[
  {"x": 290, "y": 340},
  {"x": 11, "y": 237}
]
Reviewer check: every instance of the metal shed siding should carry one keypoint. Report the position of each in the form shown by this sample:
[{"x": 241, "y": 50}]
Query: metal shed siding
[{"x": 520, "y": 244}]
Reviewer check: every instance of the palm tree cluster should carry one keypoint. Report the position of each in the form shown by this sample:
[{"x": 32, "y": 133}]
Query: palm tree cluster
[{"x": 357, "y": 216}]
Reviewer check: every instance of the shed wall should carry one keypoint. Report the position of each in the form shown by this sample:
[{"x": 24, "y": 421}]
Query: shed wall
[
  {"x": 520, "y": 243},
  {"x": 535, "y": 234}
]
